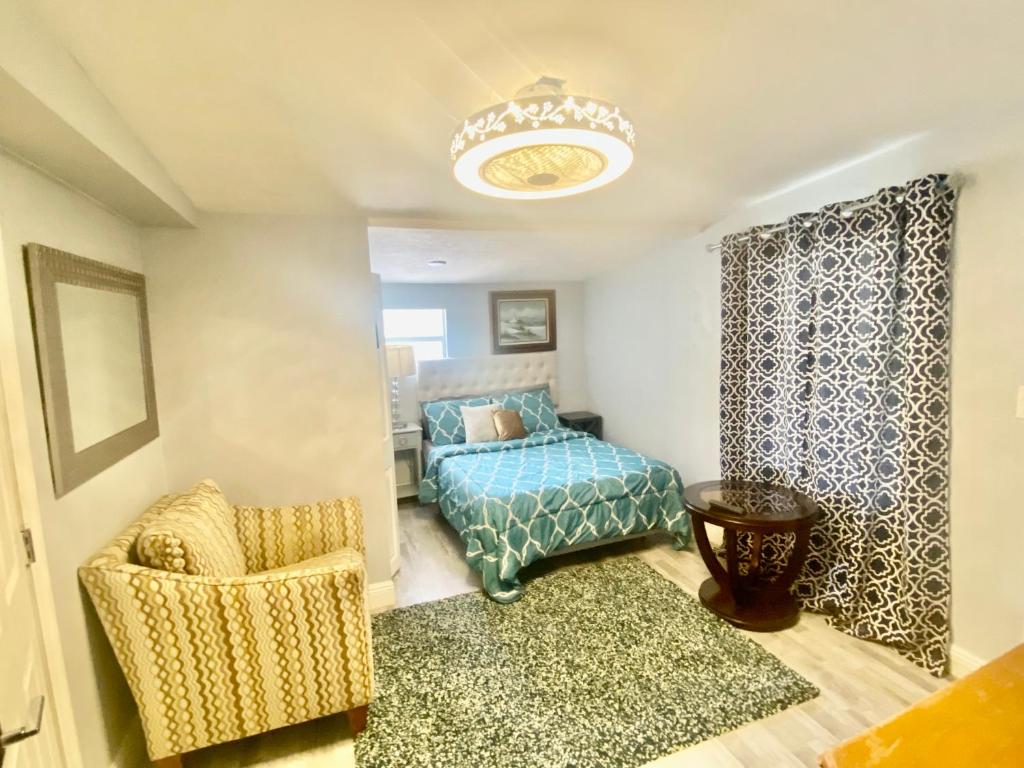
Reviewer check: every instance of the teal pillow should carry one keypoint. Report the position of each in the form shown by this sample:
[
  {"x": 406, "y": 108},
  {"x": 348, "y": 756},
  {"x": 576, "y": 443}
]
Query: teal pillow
[
  {"x": 444, "y": 419},
  {"x": 535, "y": 407}
]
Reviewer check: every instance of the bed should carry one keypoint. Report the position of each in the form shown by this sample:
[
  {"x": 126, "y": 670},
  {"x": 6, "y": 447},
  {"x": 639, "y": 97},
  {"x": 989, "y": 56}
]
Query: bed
[{"x": 517, "y": 501}]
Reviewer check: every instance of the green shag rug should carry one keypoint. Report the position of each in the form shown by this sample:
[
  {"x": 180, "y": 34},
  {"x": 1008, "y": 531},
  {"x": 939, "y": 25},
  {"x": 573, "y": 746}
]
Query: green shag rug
[{"x": 604, "y": 664}]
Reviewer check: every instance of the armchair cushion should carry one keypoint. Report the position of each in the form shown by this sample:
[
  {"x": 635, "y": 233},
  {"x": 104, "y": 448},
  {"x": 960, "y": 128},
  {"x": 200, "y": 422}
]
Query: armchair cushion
[
  {"x": 342, "y": 559},
  {"x": 273, "y": 537},
  {"x": 195, "y": 535}
]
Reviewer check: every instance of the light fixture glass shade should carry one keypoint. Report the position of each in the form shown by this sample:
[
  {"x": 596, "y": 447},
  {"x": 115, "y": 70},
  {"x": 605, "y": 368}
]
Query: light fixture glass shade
[
  {"x": 543, "y": 146},
  {"x": 401, "y": 360}
]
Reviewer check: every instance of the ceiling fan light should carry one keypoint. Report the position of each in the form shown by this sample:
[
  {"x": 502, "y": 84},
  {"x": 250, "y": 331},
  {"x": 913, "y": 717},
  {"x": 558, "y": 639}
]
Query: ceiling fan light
[{"x": 543, "y": 146}]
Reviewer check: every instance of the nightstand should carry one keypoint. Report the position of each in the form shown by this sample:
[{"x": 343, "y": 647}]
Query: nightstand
[
  {"x": 583, "y": 421},
  {"x": 408, "y": 443}
]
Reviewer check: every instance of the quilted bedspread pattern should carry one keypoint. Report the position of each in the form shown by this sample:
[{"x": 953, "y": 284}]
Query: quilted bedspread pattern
[{"x": 517, "y": 501}]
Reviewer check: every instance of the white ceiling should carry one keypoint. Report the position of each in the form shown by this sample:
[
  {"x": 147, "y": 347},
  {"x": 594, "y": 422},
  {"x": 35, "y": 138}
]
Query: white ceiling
[
  {"x": 400, "y": 254},
  {"x": 348, "y": 105}
]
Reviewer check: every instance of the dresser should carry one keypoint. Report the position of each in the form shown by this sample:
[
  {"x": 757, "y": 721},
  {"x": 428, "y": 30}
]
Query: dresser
[
  {"x": 583, "y": 421},
  {"x": 408, "y": 442}
]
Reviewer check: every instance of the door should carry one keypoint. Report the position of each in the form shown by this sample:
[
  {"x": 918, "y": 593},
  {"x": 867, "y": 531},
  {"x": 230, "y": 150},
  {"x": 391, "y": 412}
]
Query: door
[{"x": 29, "y": 735}]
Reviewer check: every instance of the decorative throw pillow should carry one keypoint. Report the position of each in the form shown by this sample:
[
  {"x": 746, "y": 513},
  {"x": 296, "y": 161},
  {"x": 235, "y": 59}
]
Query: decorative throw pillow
[
  {"x": 479, "y": 422},
  {"x": 196, "y": 536},
  {"x": 535, "y": 407},
  {"x": 444, "y": 419},
  {"x": 509, "y": 425}
]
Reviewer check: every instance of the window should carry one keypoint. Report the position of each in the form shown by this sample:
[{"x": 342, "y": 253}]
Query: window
[{"x": 424, "y": 329}]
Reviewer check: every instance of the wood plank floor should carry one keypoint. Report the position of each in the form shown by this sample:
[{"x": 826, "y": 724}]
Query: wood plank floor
[{"x": 861, "y": 683}]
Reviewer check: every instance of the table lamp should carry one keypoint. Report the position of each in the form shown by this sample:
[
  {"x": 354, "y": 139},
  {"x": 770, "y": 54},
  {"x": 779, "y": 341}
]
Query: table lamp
[{"x": 401, "y": 363}]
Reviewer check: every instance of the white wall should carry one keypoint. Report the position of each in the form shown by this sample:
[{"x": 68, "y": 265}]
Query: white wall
[
  {"x": 665, "y": 400},
  {"x": 34, "y": 208},
  {"x": 651, "y": 349},
  {"x": 468, "y": 314},
  {"x": 266, "y": 362}
]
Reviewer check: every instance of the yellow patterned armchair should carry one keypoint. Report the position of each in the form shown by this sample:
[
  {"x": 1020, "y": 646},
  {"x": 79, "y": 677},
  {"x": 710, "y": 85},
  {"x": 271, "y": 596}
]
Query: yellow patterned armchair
[{"x": 229, "y": 621}]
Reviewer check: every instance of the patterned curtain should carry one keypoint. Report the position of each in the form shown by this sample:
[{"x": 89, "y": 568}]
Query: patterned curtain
[{"x": 835, "y": 381}]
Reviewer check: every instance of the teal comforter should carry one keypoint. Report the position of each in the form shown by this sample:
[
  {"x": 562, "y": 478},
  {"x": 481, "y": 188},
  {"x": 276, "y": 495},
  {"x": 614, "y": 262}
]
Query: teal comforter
[{"x": 517, "y": 501}]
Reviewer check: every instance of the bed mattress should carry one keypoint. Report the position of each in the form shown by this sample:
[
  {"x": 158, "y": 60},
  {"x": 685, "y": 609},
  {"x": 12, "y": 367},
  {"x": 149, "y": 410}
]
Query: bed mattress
[{"x": 517, "y": 501}]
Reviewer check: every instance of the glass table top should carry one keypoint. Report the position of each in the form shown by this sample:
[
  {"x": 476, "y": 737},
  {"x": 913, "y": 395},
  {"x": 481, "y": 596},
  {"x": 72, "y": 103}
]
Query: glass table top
[{"x": 745, "y": 501}]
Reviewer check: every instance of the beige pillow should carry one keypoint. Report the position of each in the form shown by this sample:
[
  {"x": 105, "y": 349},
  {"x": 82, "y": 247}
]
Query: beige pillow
[
  {"x": 195, "y": 536},
  {"x": 509, "y": 425},
  {"x": 479, "y": 422}
]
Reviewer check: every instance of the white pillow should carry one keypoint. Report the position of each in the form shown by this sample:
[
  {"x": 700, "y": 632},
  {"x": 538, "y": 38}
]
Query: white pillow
[{"x": 479, "y": 422}]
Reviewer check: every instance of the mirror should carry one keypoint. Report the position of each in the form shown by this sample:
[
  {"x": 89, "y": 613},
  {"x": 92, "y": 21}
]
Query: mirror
[
  {"x": 102, "y": 362},
  {"x": 95, "y": 369}
]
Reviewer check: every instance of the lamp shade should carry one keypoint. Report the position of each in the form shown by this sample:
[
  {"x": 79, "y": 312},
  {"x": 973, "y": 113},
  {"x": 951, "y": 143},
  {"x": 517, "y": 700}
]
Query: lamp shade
[{"x": 401, "y": 360}]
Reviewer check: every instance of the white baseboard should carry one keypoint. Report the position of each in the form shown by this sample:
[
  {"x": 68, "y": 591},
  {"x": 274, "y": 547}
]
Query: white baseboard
[
  {"x": 380, "y": 596},
  {"x": 963, "y": 662}
]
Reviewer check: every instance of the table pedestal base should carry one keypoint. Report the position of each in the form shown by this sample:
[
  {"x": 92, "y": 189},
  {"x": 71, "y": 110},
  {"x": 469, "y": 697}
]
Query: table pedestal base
[
  {"x": 746, "y": 590},
  {"x": 757, "y": 615}
]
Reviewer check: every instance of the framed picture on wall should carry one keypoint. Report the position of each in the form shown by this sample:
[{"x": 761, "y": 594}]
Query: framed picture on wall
[{"x": 523, "y": 321}]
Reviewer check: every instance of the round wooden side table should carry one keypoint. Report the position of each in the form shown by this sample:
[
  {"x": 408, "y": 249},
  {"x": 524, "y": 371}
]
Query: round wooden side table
[{"x": 741, "y": 593}]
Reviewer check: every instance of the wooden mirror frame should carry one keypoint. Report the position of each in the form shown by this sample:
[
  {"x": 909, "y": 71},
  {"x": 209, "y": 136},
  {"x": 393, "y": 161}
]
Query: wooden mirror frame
[{"x": 44, "y": 268}]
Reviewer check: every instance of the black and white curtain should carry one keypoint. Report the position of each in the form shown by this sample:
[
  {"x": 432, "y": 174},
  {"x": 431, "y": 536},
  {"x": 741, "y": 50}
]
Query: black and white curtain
[{"x": 835, "y": 381}]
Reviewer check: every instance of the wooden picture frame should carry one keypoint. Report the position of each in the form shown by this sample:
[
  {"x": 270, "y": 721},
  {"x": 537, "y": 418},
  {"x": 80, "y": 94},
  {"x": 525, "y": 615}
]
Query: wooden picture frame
[
  {"x": 523, "y": 321},
  {"x": 110, "y": 365}
]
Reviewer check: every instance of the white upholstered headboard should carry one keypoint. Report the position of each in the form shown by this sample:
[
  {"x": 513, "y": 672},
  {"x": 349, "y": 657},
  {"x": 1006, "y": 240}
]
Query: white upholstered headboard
[{"x": 481, "y": 375}]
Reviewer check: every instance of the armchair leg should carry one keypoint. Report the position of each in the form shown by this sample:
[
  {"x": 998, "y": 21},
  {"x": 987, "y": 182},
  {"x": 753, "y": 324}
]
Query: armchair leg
[
  {"x": 356, "y": 719},
  {"x": 174, "y": 761}
]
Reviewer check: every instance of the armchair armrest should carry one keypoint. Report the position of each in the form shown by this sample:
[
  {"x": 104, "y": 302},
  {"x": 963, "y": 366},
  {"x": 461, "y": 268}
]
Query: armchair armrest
[
  {"x": 212, "y": 659},
  {"x": 273, "y": 537}
]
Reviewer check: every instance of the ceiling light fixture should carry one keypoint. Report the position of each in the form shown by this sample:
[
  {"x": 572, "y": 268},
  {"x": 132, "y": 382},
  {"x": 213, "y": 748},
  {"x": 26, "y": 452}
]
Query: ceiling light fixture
[
  {"x": 437, "y": 263},
  {"x": 543, "y": 144}
]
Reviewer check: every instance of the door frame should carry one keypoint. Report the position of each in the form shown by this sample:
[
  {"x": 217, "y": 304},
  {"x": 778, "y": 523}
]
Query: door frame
[
  {"x": 387, "y": 437},
  {"x": 25, "y": 483}
]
